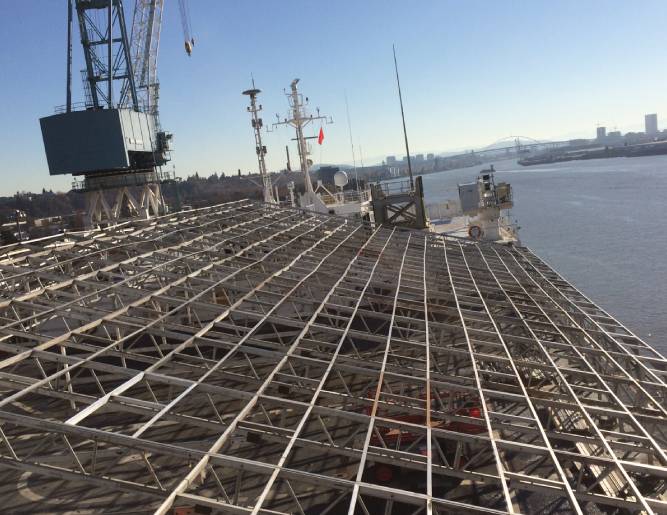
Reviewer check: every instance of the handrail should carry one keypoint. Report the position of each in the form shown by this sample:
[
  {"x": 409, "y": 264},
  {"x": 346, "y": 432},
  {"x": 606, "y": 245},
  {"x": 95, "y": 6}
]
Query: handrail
[
  {"x": 342, "y": 197},
  {"x": 391, "y": 187},
  {"x": 85, "y": 106},
  {"x": 137, "y": 178},
  {"x": 443, "y": 210}
]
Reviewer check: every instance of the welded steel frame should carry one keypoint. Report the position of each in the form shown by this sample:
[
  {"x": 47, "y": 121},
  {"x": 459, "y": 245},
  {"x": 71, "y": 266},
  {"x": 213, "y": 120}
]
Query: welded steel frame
[{"x": 256, "y": 359}]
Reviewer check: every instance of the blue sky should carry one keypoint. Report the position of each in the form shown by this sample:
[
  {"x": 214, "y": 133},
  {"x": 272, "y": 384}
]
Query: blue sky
[{"x": 472, "y": 72}]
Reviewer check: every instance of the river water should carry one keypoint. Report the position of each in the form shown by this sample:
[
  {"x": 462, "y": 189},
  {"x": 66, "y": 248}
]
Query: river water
[{"x": 602, "y": 224}]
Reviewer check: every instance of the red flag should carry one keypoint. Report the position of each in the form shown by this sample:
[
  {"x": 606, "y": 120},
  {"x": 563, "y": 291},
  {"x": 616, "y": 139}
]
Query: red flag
[{"x": 320, "y": 138}]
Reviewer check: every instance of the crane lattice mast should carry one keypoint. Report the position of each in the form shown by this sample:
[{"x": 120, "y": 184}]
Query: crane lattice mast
[{"x": 106, "y": 52}]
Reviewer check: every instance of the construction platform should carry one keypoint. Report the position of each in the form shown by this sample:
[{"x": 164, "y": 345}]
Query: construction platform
[{"x": 251, "y": 359}]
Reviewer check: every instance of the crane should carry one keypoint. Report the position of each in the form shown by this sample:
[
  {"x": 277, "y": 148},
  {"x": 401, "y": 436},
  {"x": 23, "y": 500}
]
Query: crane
[{"x": 114, "y": 138}]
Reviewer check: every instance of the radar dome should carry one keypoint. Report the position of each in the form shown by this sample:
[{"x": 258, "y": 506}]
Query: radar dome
[{"x": 340, "y": 179}]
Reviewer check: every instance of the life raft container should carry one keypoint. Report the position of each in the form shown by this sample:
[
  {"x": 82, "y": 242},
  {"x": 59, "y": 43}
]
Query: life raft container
[{"x": 475, "y": 232}]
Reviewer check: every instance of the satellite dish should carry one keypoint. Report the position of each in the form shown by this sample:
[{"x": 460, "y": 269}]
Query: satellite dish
[{"x": 340, "y": 179}]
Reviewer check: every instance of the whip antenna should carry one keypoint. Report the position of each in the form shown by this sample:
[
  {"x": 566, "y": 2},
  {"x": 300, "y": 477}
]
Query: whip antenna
[{"x": 405, "y": 132}]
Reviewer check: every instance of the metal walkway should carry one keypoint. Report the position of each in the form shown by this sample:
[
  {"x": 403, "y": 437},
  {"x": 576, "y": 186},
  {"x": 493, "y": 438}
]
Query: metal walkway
[{"x": 257, "y": 360}]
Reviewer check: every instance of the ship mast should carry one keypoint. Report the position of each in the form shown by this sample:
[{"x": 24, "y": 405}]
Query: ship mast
[
  {"x": 299, "y": 118},
  {"x": 257, "y": 124}
]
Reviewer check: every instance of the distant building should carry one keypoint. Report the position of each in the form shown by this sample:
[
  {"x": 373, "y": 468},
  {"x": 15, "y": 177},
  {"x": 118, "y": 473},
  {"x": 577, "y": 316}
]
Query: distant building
[
  {"x": 614, "y": 135},
  {"x": 430, "y": 157},
  {"x": 601, "y": 132},
  {"x": 419, "y": 158},
  {"x": 391, "y": 160},
  {"x": 651, "y": 123},
  {"x": 632, "y": 138},
  {"x": 405, "y": 159}
]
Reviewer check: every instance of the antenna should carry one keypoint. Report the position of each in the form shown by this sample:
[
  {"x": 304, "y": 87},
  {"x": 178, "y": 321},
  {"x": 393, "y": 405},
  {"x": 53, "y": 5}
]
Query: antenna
[
  {"x": 349, "y": 126},
  {"x": 69, "y": 56},
  {"x": 405, "y": 132}
]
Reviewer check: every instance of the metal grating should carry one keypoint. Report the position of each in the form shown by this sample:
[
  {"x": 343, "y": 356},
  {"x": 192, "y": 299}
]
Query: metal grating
[{"x": 247, "y": 358}]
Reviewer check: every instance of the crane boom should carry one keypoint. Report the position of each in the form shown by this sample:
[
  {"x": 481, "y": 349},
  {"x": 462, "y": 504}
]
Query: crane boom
[{"x": 145, "y": 44}]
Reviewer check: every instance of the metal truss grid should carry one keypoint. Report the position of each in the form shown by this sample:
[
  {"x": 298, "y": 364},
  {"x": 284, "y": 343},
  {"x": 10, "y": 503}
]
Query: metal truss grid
[{"x": 252, "y": 359}]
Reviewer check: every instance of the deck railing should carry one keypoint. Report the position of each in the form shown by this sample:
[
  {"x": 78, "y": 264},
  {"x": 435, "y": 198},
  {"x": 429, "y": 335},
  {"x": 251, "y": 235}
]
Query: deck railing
[{"x": 345, "y": 197}]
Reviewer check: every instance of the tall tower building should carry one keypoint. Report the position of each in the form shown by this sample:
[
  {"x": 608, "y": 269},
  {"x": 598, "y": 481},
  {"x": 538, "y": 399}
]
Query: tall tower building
[
  {"x": 601, "y": 132},
  {"x": 651, "y": 123}
]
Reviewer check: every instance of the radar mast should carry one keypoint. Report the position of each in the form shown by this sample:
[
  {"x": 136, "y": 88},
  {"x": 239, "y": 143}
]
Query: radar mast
[
  {"x": 299, "y": 118},
  {"x": 257, "y": 124}
]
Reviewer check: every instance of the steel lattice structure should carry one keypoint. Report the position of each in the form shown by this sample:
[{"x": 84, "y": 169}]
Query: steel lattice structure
[{"x": 256, "y": 359}]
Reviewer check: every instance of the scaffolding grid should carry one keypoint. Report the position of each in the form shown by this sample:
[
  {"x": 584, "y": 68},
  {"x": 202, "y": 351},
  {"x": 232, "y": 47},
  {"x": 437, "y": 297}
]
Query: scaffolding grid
[{"x": 252, "y": 359}]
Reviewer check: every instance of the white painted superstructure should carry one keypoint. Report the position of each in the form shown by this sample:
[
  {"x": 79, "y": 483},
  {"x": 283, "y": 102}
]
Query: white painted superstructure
[{"x": 483, "y": 211}]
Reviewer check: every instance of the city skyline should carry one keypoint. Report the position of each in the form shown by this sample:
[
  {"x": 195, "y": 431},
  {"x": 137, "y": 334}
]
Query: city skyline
[{"x": 460, "y": 91}]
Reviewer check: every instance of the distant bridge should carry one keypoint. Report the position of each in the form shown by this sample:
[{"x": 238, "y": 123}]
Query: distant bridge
[
  {"x": 514, "y": 140},
  {"x": 519, "y": 144},
  {"x": 516, "y": 145}
]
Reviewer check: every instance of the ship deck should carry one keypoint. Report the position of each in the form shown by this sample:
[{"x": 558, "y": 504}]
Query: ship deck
[{"x": 251, "y": 359}]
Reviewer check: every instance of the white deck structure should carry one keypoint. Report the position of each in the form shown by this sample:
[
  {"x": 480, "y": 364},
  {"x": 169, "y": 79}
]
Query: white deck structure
[{"x": 482, "y": 212}]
